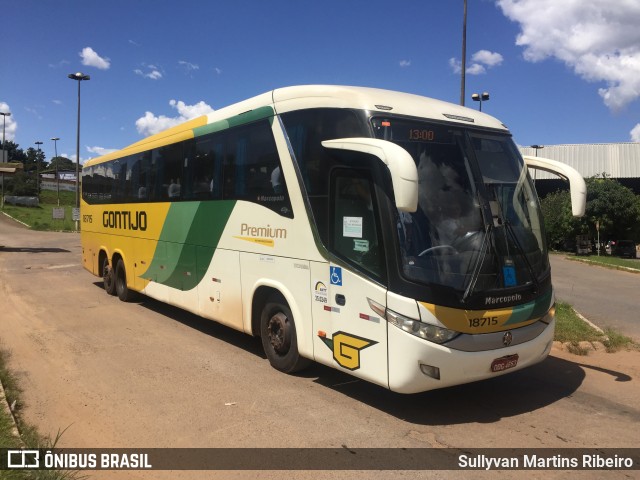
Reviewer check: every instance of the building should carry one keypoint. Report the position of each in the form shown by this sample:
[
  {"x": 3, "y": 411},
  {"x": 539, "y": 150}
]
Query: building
[{"x": 620, "y": 161}]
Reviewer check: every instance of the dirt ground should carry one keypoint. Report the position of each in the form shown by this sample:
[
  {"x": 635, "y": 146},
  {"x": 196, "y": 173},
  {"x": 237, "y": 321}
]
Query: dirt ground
[{"x": 146, "y": 375}]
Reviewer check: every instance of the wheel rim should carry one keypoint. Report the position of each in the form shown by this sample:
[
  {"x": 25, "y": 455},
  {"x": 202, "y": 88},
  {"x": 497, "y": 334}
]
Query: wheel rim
[
  {"x": 120, "y": 282},
  {"x": 278, "y": 329},
  {"x": 107, "y": 275}
]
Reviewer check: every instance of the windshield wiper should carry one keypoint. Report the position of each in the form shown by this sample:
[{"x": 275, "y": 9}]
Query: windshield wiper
[
  {"x": 477, "y": 268},
  {"x": 487, "y": 242},
  {"x": 518, "y": 245},
  {"x": 503, "y": 221}
]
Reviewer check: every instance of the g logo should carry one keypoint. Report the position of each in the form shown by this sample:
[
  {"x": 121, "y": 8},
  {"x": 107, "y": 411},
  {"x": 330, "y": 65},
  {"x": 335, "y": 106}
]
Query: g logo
[{"x": 346, "y": 349}]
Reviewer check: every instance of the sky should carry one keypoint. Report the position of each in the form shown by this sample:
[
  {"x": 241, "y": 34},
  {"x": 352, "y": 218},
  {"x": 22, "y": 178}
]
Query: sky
[{"x": 557, "y": 72}]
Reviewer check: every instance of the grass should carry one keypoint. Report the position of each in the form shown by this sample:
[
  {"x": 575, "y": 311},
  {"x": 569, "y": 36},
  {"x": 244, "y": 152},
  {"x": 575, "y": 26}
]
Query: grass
[
  {"x": 572, "y": 330},
  {"x": 41, "y": 217},
  {"x": 12, "y": 393},
  {"x": 29, "y": 437},
  {"x": 611, "y": 262}
]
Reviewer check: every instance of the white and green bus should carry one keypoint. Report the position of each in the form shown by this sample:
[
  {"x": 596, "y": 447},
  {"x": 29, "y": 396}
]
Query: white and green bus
[{"x": 391, "y": 236}]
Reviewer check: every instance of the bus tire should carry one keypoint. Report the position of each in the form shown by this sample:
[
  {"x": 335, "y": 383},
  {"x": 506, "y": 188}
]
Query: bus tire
[
  {"x": 108, "y": 277},
  {"x": 278, "y": 333},
  {"x": 122, "y": 290}
]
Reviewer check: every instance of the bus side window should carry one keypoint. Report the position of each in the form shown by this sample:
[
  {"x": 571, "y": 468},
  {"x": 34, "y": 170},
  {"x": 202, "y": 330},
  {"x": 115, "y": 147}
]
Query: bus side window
[
  {"x": 173, "y": 160},
  {"x": 252, "y": 170},
  {"x": 207, "y": 173},
  {"x": 355, "y": 235}
]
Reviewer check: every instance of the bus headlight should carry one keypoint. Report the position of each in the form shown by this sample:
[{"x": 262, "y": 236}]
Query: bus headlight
[
  {"x": 549, "y": 316},
  {"x": 420, "y": 329}
]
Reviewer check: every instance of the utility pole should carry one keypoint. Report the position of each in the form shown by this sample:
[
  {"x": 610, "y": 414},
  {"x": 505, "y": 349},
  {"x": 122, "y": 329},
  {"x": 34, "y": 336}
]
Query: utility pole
[{"x": 464, "y": 55}]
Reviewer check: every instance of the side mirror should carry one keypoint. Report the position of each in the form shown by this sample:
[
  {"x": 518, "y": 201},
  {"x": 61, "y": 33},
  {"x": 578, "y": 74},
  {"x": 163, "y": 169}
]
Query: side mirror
[
  {"x": 577, "y": 186},
  {"x": 404, "y": 174}
]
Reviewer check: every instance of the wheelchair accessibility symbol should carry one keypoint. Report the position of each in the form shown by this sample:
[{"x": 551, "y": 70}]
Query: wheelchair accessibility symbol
[{"x": 336, "y": 276}]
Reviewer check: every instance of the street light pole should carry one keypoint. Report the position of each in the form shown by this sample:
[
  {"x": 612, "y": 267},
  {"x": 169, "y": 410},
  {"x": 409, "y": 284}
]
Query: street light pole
[
  {"x": 464, "y": 54},
  {"x": 535, "y": 171},
  {"x": 537, "y": 147},
  {"x": 38, "y": 143},
  {"x": 55, "y": 147},
  {"x": 480, "y": 97},
  {"x": 4, "y": 124},
  {"x": 79, "y": 77}
]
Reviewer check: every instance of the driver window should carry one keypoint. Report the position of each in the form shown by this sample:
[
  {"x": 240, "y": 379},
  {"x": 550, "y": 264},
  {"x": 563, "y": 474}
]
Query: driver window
[{"x": 355, "y": 235}]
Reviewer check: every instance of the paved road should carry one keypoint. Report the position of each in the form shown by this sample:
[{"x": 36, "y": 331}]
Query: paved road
[
  {"x": 609, "y": 298},
  {"x": 148, "y": 375}
]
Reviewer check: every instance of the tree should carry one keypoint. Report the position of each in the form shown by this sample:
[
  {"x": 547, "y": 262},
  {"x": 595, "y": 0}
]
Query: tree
[
  {"x": 14, "y": 154},
  {"x": 559, "y": 222},
  {"x": 63, "y": 164},
  {"x": 23, "y": 185},
  {"x": 615, "y": 207},
  {"x": 34, "y": 160}
]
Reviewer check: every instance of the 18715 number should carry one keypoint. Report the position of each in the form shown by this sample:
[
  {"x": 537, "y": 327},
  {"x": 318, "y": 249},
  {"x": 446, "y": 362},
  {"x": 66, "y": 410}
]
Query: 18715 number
[{"x": 483, "y": 322}]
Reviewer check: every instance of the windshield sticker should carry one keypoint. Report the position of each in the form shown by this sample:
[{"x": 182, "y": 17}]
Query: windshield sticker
[
  {"x": 352, "y": 227},
  {"x": 509, "y": 273},
  {"x": 360, "y": 245}
]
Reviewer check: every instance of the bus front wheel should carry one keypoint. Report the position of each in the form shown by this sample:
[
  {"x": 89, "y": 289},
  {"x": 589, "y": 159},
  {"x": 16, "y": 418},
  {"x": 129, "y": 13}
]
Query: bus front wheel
[
  {"x": 278, "y": 332},
  {"x": 108, "y": 277},
  {"x": 122, "y": 290}
]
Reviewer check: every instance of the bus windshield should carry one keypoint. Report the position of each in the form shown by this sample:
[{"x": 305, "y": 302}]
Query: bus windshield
[{"x": 477, "y": 226}]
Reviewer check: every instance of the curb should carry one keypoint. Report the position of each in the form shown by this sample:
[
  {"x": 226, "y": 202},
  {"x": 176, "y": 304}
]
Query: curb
[
  {"x": 15, "y": 219},
  {"x": 596, "y": 264},
  {"x": 587, "y": 321}
]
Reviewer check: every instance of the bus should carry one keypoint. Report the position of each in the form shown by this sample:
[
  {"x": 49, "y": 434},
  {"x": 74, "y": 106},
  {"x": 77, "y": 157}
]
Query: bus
[{"x": 394, "y": 237}]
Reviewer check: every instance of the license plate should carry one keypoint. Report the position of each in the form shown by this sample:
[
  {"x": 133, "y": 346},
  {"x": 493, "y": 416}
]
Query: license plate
[{"x": 504, "y": 363}]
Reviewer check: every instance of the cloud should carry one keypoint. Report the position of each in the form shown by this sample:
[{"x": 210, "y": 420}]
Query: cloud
[
  {"x": 9, "y": 123},
  {"x": 92, "y": 59},
  {"x": 598, "y": 39},
  {"x": 485, "y": 57},
  {"x": 152, "y": 72},
  {"x": 34, "y": 112},
  {"x": 405, "y": 63},
  {"x": 635, "y": 133},
  {"x": 475, "y": 69},
  {"x": 188, "y": 66},
  {"x": 60, "y": 64},
  {"x": 150, "y": 123},
  {"x": 480, "y": 62},
  {"x": 100, "y": 150}
]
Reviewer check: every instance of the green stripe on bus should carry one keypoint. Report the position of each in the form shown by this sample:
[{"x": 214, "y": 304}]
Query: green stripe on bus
[
  {"x": 183, "y": 255},
  {"x": 243, "y": 118},
  {"x": 531, "y": 310}
]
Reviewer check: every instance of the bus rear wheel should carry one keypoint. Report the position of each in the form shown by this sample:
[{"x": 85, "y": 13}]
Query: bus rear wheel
[
  {"x": 278, "y": 332},
  {"x": 108, "y": 277},
  {"x": 122, "y": 290}
]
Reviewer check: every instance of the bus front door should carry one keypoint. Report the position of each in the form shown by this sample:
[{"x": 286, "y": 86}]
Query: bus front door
[{"x": 349, "y": 334}]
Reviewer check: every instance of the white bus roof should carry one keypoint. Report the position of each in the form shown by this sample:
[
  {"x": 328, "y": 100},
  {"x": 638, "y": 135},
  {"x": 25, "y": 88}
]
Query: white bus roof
[
  {"x": 320, "y": 96},
  {"x": 378, "y": 100}
]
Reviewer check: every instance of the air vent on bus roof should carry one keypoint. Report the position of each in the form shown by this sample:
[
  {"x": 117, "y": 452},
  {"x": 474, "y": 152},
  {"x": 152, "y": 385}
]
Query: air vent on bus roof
[{"x": 459, "y": 117}]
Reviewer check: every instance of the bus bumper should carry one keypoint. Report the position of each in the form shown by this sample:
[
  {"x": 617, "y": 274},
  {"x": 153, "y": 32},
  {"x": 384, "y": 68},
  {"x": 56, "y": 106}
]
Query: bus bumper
[{"x": 407, "y": 353}]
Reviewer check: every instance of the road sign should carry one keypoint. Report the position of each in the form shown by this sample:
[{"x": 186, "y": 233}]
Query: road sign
[
  {"x": 58, "y": 213},
  {"x": 76, "y": 214}
]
